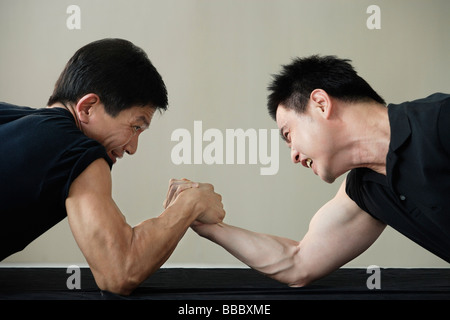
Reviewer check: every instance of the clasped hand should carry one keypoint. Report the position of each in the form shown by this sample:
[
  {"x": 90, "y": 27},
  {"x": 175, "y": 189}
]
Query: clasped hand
[{"x": 207, "y": 203}]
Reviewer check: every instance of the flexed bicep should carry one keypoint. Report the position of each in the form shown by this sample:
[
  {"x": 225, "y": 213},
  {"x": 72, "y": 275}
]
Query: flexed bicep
[{"x": 339, "y": 232}]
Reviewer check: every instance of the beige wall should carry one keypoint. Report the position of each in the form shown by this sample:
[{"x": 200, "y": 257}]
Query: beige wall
[{"x": 216, "y": 57}]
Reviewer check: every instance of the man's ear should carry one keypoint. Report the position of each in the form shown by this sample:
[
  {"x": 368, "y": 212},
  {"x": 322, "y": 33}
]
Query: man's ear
[
  {"x": 84, "y": 106},
  {"x": 322, "y": 102}
]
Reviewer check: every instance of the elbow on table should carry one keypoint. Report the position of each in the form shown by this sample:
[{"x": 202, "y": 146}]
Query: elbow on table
[
  {"x": 293, "y": 276},
  {"x": 300, "y": 279},
  {"x": 122, "y": 284},
  {"x": 299, "y": 282},
  {"x": 305, "y": 277}
]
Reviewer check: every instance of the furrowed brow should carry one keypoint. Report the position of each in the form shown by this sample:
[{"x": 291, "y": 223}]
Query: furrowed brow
[{"x": 143, "y": 120}]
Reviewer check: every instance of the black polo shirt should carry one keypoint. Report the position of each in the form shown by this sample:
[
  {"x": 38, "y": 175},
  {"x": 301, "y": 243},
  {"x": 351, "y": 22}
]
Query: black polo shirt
[
  {"x": 414, "y": 196},
  {"x": 42, "y": 153}
]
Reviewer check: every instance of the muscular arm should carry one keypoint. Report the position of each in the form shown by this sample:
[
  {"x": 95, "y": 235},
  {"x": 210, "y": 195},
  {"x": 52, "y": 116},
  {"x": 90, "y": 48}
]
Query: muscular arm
[
  {"x": 338, "y": 232},
  {"x": 121, "y": 256}
]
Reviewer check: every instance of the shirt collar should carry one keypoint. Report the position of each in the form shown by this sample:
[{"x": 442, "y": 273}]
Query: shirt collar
[
  {"x": 400, "y": 132},
  {"x": 400, "y": 128}
]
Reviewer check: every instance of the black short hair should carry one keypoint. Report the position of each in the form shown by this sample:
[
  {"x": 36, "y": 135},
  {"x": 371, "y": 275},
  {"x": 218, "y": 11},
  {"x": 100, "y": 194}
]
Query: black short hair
[
  {"x": 293, "y": 86},
  {"x": 119, "y": 72}
]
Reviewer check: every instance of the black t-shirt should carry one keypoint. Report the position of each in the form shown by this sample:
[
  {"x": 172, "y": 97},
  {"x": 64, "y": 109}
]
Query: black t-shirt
[
  {"x": 42, "y": 152},
  {"x": 414, "y": 196}
]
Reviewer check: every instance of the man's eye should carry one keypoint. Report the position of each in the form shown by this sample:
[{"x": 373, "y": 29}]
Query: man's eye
[
  {"x": 287, "y": 137},
  {"x": 136, "y": 128}
]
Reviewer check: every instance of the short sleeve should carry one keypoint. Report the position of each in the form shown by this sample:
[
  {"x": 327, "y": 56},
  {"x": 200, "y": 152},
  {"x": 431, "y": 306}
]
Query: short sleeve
[
  {"x": 82, "y": 158},
  {"x": 68, "y": 153},
  {"x": 444, "y": 125},
  {"x": 354, "y": 187},
  {"x": 351, "y": 187}
]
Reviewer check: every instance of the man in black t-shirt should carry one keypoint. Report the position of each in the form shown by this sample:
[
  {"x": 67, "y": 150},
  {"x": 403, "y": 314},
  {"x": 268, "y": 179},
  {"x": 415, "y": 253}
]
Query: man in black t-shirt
[
  {"x": 399, "y": 162},
  {"x": 56, "y": 162}
]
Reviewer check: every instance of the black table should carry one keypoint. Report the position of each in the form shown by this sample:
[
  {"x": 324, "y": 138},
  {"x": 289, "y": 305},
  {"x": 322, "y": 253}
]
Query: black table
[{"x": 186, "y": 287}]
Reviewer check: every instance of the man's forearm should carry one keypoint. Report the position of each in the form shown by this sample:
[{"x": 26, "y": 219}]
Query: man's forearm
[
  {"x": 274, "y": 256},
  {"x": 154, "y": 240}
]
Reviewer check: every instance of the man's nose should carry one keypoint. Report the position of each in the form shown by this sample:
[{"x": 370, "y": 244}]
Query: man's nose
[
  {"x": 295, "y": 156},
  {"x": 132, "y": 145}
]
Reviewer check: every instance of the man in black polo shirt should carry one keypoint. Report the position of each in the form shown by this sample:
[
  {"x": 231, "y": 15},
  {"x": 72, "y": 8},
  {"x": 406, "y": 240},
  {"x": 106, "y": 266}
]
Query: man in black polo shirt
[
  {"x": 399, "y": 162},
  {"x": 56, "y": 163}
]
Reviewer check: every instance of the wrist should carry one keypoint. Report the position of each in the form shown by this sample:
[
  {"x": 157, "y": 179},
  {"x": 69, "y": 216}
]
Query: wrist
[{"x": 208, "y": 231}]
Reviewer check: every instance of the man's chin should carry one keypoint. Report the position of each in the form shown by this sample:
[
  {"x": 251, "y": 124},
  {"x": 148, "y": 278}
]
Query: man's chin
[
  {"x": 328, "y": 178},
  {"x": 113, "y": 159}
]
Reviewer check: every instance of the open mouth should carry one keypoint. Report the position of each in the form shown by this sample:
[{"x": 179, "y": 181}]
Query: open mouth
[
  {"x": 114, "y": 156},
  {"x": 307, "y": 163}
]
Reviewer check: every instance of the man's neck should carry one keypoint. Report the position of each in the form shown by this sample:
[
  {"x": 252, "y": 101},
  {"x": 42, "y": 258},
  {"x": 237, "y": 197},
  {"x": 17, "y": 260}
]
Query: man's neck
[
  {"x": 372, "y": 133},
  {"x": 70, "y": 108}
]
